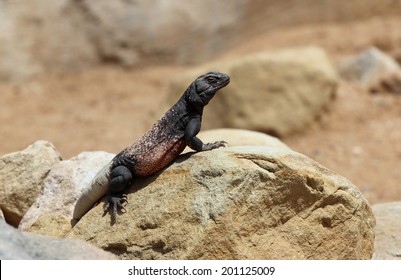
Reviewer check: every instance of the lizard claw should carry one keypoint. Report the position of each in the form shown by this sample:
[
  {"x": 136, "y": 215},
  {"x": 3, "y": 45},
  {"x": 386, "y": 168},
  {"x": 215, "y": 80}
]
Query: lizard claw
[
  {"x": 116, "y": 201},
  {"x": 214, "y": 145}
]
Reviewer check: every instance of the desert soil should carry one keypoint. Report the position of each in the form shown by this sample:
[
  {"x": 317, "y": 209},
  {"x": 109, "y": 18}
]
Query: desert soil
[{"x": 106, "y": 108}]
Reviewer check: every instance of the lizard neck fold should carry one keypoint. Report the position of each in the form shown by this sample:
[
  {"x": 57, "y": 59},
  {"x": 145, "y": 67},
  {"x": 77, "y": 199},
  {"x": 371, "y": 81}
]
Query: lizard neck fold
[{"x": 192, "y": 99}]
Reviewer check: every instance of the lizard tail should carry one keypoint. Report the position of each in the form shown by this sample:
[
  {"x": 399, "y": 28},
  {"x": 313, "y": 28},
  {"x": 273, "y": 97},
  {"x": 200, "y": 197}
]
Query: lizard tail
[{"x": 96, "y": 190}]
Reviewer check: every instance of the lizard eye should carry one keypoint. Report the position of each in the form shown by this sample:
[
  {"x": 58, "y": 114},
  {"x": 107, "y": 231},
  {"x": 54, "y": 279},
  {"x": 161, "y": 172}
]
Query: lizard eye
[{"x": 211, "y": 79}]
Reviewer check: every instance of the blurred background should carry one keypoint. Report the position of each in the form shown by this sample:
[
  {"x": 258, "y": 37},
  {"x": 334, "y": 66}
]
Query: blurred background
[{"x": 94, "y": 74}]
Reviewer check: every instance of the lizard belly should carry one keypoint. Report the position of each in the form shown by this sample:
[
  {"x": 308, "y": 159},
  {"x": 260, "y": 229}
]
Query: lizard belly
[{"x": 157, "y": 157}]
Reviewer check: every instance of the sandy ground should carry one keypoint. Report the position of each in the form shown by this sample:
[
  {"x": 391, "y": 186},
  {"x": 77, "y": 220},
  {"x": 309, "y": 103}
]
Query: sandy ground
[{"x": 108, "y": 107}]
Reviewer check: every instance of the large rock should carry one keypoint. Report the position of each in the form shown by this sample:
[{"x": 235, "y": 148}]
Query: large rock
[
  {"x": 237, "y": 203},
  {"x": 21, "y": 178},
  {"x": 41, "y": 36},
  {"x": 52, "y": 210},
  {"x": 134, "y": 32},
  {"x": 277, "y": 92},
  {"x": 16, "y": 245},
  {"x": 373, "y": 70},
  {"x": 388, "y": 231}
]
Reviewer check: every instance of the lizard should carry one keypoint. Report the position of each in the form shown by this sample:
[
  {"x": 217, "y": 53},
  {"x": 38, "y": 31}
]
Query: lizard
[{"x": 157, "y": 148}]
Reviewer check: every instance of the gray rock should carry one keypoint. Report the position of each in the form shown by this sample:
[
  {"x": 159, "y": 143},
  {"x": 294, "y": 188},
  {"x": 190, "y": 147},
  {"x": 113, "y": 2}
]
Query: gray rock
[
  {"x": 237, "y": 203},
  {"x": 62, "y": 187},
  {"x": 388, "y": 231},
  {"x": 134, "y": 32},
  {"x": 16, "y": 245},
  {"x": 276, "y": 92},
  {"x": 21, "y": 178},
  {"x": 40, "y": 36},
  {"x": 374, "y": 70}
]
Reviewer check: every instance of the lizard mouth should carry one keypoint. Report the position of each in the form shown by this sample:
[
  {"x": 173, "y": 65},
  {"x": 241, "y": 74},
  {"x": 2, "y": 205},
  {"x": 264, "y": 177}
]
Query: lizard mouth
[
  {"x": 223, "y": 83},
  {"x": 207, "y": 95}
]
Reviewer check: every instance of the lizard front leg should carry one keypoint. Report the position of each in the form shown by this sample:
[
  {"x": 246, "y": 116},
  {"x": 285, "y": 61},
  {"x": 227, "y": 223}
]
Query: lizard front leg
[
  {"x": 120, "y": 178},
  {"x": 191, "y": 130}
]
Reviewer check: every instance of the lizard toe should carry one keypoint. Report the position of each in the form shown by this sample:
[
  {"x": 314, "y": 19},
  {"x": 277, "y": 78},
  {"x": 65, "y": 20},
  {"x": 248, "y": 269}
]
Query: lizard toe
[
  {"x": 115, "y": 202},
  {"x": 214, "y": 145}
]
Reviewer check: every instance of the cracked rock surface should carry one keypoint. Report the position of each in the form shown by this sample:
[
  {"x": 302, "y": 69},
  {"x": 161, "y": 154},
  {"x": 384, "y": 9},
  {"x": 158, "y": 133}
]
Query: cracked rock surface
[{"x": 237, "y": 203}]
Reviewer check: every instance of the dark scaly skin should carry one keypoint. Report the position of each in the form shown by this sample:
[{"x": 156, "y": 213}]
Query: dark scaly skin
[{"x": 162, "y": 143}]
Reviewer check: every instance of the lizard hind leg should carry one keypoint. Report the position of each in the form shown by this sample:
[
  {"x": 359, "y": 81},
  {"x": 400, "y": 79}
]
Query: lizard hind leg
[{"x": 120, "y": 178}]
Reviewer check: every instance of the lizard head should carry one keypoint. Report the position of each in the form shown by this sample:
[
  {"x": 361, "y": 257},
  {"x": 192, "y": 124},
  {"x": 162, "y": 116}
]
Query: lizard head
[
  {"x": 208, "y": 84},
  {"x": 205, "y": 87}
]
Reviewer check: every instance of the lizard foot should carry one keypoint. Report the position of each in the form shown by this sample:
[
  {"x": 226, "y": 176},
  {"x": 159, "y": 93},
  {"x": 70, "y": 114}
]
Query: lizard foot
[
  {"x": 214, "y": 145},
  {"x": 117, "y": 202}
]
